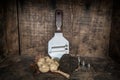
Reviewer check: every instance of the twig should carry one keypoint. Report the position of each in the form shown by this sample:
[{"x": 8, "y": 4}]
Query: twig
[{"x": 62, "y": 73}]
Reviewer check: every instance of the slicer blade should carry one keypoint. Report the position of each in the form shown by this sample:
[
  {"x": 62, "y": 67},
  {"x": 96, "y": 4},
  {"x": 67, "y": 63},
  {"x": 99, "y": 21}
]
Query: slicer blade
[{"x": 58, "y": 46}]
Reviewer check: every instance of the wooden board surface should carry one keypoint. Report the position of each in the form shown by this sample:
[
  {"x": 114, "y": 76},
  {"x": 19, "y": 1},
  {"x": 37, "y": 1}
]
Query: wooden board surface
[
  {"x": 86, "y": 24},
  {"x": 11, "y": 25}
]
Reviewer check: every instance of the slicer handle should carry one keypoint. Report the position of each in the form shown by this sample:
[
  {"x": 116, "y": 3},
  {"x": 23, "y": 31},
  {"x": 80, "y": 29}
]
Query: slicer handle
[{"x": 59, "y": 16}]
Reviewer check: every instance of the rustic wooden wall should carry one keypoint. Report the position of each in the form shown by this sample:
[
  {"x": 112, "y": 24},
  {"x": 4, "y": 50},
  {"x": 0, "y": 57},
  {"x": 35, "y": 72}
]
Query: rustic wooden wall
[
  {"x": 86, "y": 24},
  {"x": 115, "y": 32}
]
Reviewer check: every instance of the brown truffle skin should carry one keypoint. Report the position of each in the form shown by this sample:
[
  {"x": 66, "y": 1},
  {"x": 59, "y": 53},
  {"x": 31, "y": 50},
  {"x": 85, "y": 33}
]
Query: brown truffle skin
[{"x": 68, "y": 63}]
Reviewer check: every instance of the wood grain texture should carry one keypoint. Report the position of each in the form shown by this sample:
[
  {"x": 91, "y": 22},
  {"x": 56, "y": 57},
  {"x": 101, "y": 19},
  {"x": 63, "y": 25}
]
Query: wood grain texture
[
  {"x": 86, "y": 24},
  {"x": 12, "y": 45}
]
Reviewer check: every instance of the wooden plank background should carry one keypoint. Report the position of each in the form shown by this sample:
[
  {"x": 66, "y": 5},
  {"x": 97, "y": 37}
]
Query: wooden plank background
[
  {"x": 86, "y": 24},
  {"x": 11, "y": 28}
]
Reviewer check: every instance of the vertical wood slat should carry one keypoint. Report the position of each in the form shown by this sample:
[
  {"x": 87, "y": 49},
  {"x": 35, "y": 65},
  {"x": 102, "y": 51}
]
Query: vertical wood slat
[
  {"x": 34, "y": 23},
  {"x": 12, "y": 45}
]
